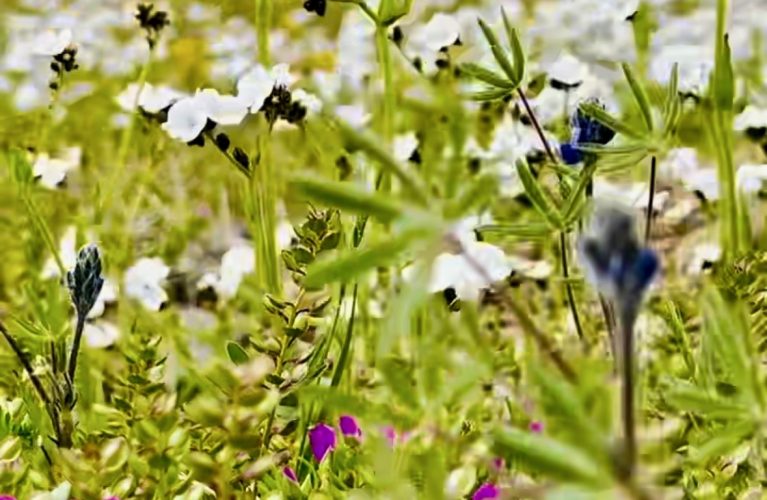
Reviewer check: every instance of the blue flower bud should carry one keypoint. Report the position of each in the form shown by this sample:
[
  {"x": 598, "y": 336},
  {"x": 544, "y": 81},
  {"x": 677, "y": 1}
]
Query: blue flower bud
[
  {"x": 584, "y": 130},
  {"x": 85, "y": 281}
]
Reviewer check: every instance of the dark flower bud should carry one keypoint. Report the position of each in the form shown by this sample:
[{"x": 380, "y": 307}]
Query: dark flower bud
[
  {"x": 396, "y": 35},
  {"x": 317, "y": 6},
  {"x": 584, "y": 130},
  {"x": 241, "y": 157},
  {"x": 85, "y": 281},
  {"x": 222, "y": 142},
  {"x": 55, "y": 67}
]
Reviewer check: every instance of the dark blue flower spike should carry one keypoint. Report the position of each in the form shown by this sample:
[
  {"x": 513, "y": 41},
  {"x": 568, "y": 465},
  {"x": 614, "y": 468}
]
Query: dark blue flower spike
[
  {"x": 584, "y": 130},
  {"x": 615, "y": 261}
]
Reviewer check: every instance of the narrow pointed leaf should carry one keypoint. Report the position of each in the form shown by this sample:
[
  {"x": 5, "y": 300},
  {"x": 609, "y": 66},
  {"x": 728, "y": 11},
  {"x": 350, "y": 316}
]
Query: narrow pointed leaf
[
  {"x": 550, "y": 457},
  {"x": 348, "y": 197},
  {"x": 721, "y": 443},
  {"x": 640, "y": 95},
  {"x": 574, "y": 199},
  {"x": 538, "y": 198},
  {"x": 606, "y": 119},
  {"x": 486, "y": 75},
  {"x": 517, "y": 53},
  {"x": 498, "y": 52},
  {"x": 491, "y": 94},
  {"x": 692, "y": 399}
]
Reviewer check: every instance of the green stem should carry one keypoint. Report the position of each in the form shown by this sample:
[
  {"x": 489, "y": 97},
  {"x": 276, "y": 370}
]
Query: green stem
[
  {"x": 39, "y": 223},
  {"x": 628, "y": 417},
  {"x": 241, "y": 168},
  {"x": 568, "y": 287},
  {"x": 384, "y": 59},
  {"x": 345, "y": 349},
  {"x": 264, "y": 186},
  {"x": 127, "y": 133},
  {"x": 263, "y": 21},
  {"x": 72, "y": 368}
]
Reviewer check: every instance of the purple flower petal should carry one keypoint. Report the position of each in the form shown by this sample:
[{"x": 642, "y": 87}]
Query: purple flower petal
[
  {"x": 536, "y": 426},
  {"x": 290, "y": 474},
  {"x": 7, "y": 497},
  {"x": 499, "y": 464},
  {"x": 323, "y": 440},
  {"x": 390, "y": 434},
  {"x": 349, "y": 426},
  {"x": 487, "y": 491}
]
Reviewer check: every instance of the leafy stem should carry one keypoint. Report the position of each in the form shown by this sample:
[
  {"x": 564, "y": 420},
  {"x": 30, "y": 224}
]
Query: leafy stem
[
  {"x": 650, "y": 201},
  {"x": 72, "y": 367}
]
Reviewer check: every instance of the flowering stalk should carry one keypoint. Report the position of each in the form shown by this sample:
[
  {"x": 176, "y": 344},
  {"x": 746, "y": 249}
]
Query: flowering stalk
[{"x": 650, "y": 201}]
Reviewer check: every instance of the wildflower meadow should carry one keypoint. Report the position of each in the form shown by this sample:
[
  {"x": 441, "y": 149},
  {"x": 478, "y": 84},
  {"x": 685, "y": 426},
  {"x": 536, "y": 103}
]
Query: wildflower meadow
[{"x": 383, "y": 249}]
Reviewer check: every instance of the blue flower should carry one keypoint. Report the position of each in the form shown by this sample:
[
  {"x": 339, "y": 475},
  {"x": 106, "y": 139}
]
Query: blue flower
[
  {"x": 584, "y": 130},
  {"x": 614, "y": 259}
]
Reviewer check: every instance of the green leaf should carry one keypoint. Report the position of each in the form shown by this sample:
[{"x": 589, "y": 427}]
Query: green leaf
[
  {"x": 486, "y": 75},
  {"x": 516, "y": 48},
  {"x": 720, "y": 443},
  {"x": 400, "y": 382},
  {"x": 692, "y": 399},
  {"x": 723, "y": 79},
  {"x": 348, "y": 197},
  {"x": 599, "y": 114},
  {"x": 672, "y": 108},
  {"x": 550, "y": 457},
  {"x": 562, "y": 398},
  {"x": 522, "y": 230},
  {"x": 498, "y": 52},
  {"x": 478, "y": 194},
  {"x": 350, "y": 265},
  {"x": 574, "y": 200},
  {"x": 236, "y": 353},
  {"x": 538, "y": 198},
  {"x": 391, "y": 10},
  {"x": 491, "y": 94},
  {"x": 373, "y": 148},
  {"x": 640, "y": 95}
]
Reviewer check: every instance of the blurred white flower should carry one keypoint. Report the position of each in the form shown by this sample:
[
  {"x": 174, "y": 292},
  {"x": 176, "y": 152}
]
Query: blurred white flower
[
  {"x": 236, "y": 263},
  {"x": 257, "y": 84},
  {"x": 703, "y": 256},
  {"x": 186, "y": 120},
  {"x": 695, "y": 66},
  {"x": 100, "y": 334},
  {"x": 567, "y": 70},
  {"x": 353, "y": 114},
  {"x": 285, "y": 234},
  {"x": 107, "y": 295},
  {"x": 751, "y": 117},
  {"x": 750, "y": 178},
  {"x": 635, "y": 194},
  {"x": 67, "y": 254},
  {"x": 311, "y": 102},
  {"x": 404, "y": 146},
  {"x": 222, "y": 109},
  {"x": 52, "y": 42},
  {"x": 51, "y": 172},
  {"x": 481, "y": 265},
  {"x": 678, "y": 163},
  {"x": 143, "y": 282},
  {"x": 441, "y": 31},
  {"x": 152, "y": 98}
]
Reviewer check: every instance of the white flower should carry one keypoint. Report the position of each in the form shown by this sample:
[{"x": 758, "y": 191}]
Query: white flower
[
  {"x": 703, "y": 181},
  {"x": 311, "y": 102},
  {"x": 107, "y": 295},
  {"x": 481, "y": 265},
  {"x": 353, "y": 114},
  {"x": 636, "y": 194},
  {"x": 679, "y": 163},
  {"x": 152, "y": 99},
  {"x": 284, "y": 234},
  {"x": 750, "y": 178},
  {"x": 464, "y": 229},
  {"x": 222, "y": 109},
  {"x": 51, "y": 42},
  {"x": 404, "y": 146},
  {"x": 143, "y": 282},
  {"x": 236, "y": 263},
  {"x": 52, "y": 171},
  {"x": 441, "y": 31},
  {"x": 695, "y": 66},
  {"x": 67, "y": 254},
  {"x": 703, "y": 255},
  {"x": 100, "y": 334},
  {"x": 751, "y": 117},
  {"x": 186, "y": 120},
  {"x": 568, "y": 70},
  {"x": 257, "y": 84}
]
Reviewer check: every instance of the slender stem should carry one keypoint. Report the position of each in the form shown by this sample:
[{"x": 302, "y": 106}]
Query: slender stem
[
  {"x": 650, "y": 201},
  {"x": 26, "y": 364},
  {"x": 241, "y": 168},
  {"x": 344, "y": 356},
  {"x": 263, "y": 20},
  {"x": 609, "y": 323},
  {"x": 39, "y": 223},
  {"x": 568, "y": 288},
  {"x": 384, "y": 57},
  {"x": 127, "y": 133},
  {"x": 562, "y": 236},
  {"x": 72, "y": 368},
  {"x": 537, "y": 125},
  {"x": 628, "y": 416}
]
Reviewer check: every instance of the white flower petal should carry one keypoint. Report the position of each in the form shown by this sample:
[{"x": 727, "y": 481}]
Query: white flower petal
[
  {"x": 568, "y": 69},
  {"x": 51, "y": 42},
  {"x": 442, "y": 30},
  {"x": 143, "y": 282},
  {"x": 222, "y": 109},
  {"x": 311, "y": 102},
  {"x": 751, "y": 117},
  {"x": 404, "y": 146},
  {"x": 101, "y": 334},
  {"x": 186, "y": 120},
  {"x": 67, "y": 253}
]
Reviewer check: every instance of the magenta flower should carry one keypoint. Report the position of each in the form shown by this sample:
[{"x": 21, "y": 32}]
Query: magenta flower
[
  {"x": 349, "y": 426},
  {"x": 7, "y": 497},
  {"x": 390, "y": 434},
  {"x": 322, "y": 438},
  {"x": 290, "y": 474},
  {"x": 498, "y": 464},
  {"x": 487, "y": 491},
  {"x": 536, "y": 426}
]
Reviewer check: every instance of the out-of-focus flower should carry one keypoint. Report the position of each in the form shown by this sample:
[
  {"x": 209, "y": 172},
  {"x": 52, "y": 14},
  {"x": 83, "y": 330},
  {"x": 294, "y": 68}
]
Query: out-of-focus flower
[
  {"x": 488, "y": 491},
  {"x": 460, "y": 272},
  {"x": 405, "y": 145},
  {"x": 752, "y": 117},
  {"x": 153, "y": 99},
  {"x": 695, "y": 64},
  {"x": 614, "y": 260},
  {"x": 567, "y": 72},
  {"x": 236, "y": 263},
  {"x": 67, "y": 254},
  {"x": 143, "y": 282},
  {"x": 100, "y": 334},
  {"x": 536, "y": 426},
  {"x": 257, "y": 84},
  {"x": 51, "y": 172},
  {"x": 186, "y": 120},
  {"x": 221, "y": 109},
  {"x": 353, "y": 114},
  {"x": 703, "y": 257},
  {"x": 309, "y": 101},
  {"x": 52, "y": 42},
  {"x": 290, "y": 474},
  {"x": 322, "y": 439},
  {"x": 349, "y": 426},
  {"x": 441, "y": 31},
  {"x": 584, "y": 130}
]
